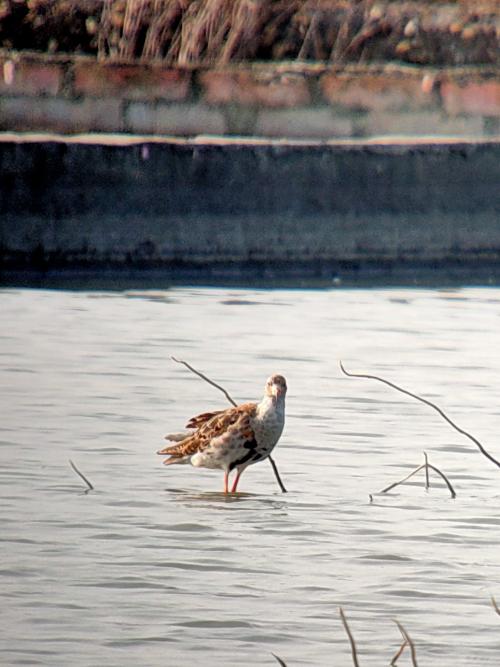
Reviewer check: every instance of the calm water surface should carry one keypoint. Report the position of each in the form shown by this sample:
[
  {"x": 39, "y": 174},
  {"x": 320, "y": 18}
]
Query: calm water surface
[{"x": 156, "y": 567}]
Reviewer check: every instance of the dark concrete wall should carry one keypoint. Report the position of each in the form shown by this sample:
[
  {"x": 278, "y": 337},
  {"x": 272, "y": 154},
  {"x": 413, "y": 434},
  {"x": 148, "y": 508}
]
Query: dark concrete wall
[{"x": 173, "y": 203}]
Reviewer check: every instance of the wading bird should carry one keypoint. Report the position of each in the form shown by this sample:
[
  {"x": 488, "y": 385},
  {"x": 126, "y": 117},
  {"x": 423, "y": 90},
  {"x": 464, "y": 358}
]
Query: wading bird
[{"x": 234, "y": 438}]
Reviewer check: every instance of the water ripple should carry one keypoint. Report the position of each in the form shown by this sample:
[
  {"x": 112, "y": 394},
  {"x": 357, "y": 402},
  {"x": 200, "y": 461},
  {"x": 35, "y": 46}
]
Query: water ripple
[{"x": 157, "y": 567}]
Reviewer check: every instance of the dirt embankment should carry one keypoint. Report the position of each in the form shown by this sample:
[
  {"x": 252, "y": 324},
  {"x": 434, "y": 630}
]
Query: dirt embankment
[{"x": 180, "y": 32}]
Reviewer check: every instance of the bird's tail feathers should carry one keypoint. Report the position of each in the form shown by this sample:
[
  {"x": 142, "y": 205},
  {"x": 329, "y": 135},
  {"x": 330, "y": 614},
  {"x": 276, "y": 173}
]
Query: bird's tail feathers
[
  {"x": 178, "y": 437},
  {"x": 176, "y": 459}
]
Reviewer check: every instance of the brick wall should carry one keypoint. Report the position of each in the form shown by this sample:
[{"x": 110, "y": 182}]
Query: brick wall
[{"x": 296, "y": 100}]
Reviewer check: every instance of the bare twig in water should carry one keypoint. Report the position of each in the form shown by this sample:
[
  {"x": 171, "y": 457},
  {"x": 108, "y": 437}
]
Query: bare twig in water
[
  {"x": 402, "y": 481},
  {"x": 399, "y": 653},
  {"x": 276, "y": 474},
  {"x": 82, "y": 476},
  {"x": 281, "y": 662},
  {"x": 351, "y": 638},
  {"x": 427, "y": 482},
  {"x": 447, "y": 481},
  {"x": 426, "y": 466},
  {"x": 410, "y": 643},
  {"x": 432, "y": 405},
  {"x": 233, "y": 402},
  {"x": 495, "y": 606},
  {"x": 204, "y": 377}
]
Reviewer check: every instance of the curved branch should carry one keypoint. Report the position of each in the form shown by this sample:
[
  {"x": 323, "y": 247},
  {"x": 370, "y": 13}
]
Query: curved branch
[
  {"x": 82, "y": 476},
  {"x": 204, "y": 377},
  {"x": 448, "y": 483},
  {"x": 410, "y": 643},
  {"x": 276, "y": 474},
  {"x": 399, "y": 653},
  {"x": 405, "y": 479},
  {"x": 430, "y": 404},
  {"x": 354, "y": 652}
]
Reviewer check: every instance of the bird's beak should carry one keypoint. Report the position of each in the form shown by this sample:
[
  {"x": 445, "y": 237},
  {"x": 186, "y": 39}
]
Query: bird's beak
[{"x": 277, "y": 391}]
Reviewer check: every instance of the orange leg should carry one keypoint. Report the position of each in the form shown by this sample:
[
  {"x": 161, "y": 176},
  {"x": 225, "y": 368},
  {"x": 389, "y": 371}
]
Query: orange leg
[
  {"x": 235, "y": 485},
  {"x": 226, "y": 481}
]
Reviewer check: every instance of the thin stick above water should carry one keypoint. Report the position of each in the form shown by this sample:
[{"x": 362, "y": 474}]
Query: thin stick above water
[
  {"x": 429, "y": 403},
  {"x": 399, "y": 653},
  {"x": 204, "y": 377},
  {"x": 495, "y": 605},
  {"x": 427, "y": 466},
  {"x": 82, "y": 476},
  {"x": 447, "y": 481},
  {"x": 427, "y": 481},
  {"x": 410, "y": 643},
  {"x": 402, "y": 481},
  {"x": 233, "y": 402},
  {"x": 276, "y": 474},
  {"x": 354, "y": 651}
]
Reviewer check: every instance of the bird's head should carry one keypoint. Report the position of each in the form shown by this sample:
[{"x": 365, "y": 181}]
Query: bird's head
[{"x": 276, "y": 387}]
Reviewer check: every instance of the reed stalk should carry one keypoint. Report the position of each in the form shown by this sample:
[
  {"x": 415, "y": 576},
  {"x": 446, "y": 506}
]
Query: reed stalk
[
  {"x": 441, "y": 412},
  {"x": 82, "y": 476}
]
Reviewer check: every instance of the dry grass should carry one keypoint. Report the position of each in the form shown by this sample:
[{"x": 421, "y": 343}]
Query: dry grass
[
  {"x": 187, "y": 32},
  {"x": 193, "y": 31}
]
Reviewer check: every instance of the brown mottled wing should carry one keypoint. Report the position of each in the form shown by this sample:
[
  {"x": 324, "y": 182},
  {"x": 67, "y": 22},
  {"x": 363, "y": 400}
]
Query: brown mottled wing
[
  {"x": 211, "y": 425},
  {"x": 196, "y": 422}
]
